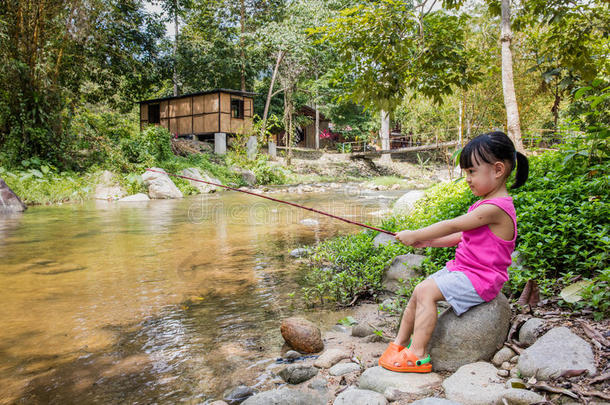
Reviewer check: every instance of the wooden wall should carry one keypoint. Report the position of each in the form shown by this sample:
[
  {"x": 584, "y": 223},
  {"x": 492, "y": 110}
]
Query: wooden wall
[{"x": 201, "y": 114}]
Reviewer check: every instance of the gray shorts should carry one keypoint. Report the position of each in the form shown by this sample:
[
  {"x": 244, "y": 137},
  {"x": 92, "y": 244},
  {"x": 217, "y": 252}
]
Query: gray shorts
[{"x": 457, "y": 290}]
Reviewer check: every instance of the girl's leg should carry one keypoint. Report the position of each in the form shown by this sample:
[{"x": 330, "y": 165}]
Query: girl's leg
[
  {"x": 407, "y": 322},
  {"x": 426, "y": 295}
]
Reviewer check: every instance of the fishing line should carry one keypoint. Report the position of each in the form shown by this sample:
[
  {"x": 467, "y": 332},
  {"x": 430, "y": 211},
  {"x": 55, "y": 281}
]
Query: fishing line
[{"x": 277, "y": 200}]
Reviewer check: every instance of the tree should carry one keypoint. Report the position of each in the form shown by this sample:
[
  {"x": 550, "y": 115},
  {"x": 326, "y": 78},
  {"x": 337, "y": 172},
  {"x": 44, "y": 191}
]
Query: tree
[
  {"x": 387, "y": 47},
  {"x": 513, "y": 125}
]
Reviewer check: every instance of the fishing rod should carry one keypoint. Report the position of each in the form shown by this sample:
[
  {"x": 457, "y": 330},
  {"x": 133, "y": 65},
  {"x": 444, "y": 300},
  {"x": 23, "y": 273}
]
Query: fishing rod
[{"x": 277, "y": 200}]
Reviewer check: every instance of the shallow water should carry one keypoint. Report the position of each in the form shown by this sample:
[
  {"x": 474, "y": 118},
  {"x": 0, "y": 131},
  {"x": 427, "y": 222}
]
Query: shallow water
[{"x": 155, "y": 302}]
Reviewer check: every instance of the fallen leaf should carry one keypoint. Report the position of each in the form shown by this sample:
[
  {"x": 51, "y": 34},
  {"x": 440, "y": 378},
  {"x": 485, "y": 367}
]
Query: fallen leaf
[
  {"x": 572, "y": 293},
  {"x": 530, "y": 295}
]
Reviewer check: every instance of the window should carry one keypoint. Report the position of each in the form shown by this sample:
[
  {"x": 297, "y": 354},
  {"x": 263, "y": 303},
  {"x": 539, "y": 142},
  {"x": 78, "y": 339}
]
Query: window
[
  {"x": 154, "y": 114},
  {"x": 237, "y": 108}
]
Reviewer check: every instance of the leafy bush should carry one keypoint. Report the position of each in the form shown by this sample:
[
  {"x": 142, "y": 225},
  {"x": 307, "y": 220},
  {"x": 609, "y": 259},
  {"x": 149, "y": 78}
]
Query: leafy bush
[{"x": 45, "y": 185}]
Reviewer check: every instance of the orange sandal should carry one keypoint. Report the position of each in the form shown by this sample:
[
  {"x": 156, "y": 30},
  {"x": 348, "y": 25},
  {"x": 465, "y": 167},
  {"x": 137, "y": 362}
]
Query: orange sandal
[{"x": 402, "y": 360}]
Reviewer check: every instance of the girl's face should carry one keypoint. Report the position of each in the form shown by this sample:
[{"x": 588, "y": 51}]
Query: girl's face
[{"x": 485, "y": 178}]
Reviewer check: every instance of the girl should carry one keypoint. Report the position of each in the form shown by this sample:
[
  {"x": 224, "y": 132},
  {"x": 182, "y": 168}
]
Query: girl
[{"x": 485, "y": 238}]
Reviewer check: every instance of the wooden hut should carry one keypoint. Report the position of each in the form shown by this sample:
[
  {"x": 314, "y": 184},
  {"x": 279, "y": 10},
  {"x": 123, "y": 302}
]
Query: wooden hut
[{"x": 199, "y": 114}]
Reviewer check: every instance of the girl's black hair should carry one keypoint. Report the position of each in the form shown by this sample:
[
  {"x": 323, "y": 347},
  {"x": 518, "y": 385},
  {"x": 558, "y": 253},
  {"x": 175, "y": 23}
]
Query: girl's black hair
[{"x": 492, "y": 147}]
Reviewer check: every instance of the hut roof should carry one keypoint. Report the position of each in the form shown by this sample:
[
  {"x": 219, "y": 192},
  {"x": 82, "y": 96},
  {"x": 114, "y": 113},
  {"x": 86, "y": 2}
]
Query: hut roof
[{"x": 200, "y": 93}]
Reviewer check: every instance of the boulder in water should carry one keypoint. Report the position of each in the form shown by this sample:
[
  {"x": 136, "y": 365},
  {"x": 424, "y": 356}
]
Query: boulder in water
[
  {"x": 9, "y": 202},
  {"x": 160, "y": 186}
]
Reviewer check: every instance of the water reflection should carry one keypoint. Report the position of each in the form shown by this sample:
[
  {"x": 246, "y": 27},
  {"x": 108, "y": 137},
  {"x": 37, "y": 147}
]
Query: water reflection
[{"x": 164, "y": 301}]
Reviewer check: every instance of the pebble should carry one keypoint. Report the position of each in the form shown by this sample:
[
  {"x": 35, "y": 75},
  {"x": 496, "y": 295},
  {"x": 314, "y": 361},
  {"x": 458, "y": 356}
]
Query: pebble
[
  {"x": 514, "y": 359},
  {"x": 503, "y": 373},
  {"x": 291, "y": 355},
  {"x": 506, "y": 366}
]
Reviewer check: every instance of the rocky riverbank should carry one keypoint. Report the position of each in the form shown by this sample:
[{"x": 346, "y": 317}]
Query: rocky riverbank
[{"x": 496, "y": 353}]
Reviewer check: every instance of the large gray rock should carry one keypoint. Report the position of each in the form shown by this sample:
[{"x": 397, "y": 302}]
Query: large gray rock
[
  {"x": 403, "y": 267},
  {"x": 331, "y": 357},
  {"x": 9, "y": 202},
  {"x": 557, "y": 351},
  {"x": 107, "y": 187},
  {"x": 379, "y": 379},
  {"x": 530, "y": 331},
  {"x": 473, "y": 336},
  {"x": 383, "y": 239},
  {"x": 404, "y": 204},
  {"x": 355, "y": 396},
  {"x": 284, "y": 396},
  {"x": 160, "y": 186},
  {"x": 195, "y": 174},
  {"x": 246, "y": 175},
  {"x": 297, "y": 373},
  {"x": 478, "y": 384}
]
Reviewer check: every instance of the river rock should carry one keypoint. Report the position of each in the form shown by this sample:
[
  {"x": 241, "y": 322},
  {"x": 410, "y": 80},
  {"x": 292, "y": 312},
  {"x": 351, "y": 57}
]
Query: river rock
[
  {"x": 343, "y": 368},
  {"x": 473, "y": 336},
  {"x": 403, "y": 267},
  {"x": 530, "y": 331},
  {"x": 291, "y": 355},
  {"x": 379, "y": 379},
  {"x": 434, "y": 401},
  {"x": 297, "y": 373},
  {"x": 302, "y": 335},
  {"x": 299, "y": 252},
  {"x": 160, "y": 186},
  {"x": 504, "y": 354},
  {"x": 404, "y": 204},
  {"x": 383, "y": 239},
  {"x": 331, "y": 357},
  {"x": 284, "y": 396},
  {"x": 238, "y": 394},
  {"x": 309, "y": 222},
  {"x": 478, "y": 384},
  {"x": 107, "y": 188},
  {"x": 355, "y": 396},
  {"x": 9, "y": 202},
  {"x": 246, "y": 175},
  {"x": 362, "y": 330},
  {"x": 557, "y": 351},
  {"x": 135, "y": 198},
  {"x": 203, "y": 188}
]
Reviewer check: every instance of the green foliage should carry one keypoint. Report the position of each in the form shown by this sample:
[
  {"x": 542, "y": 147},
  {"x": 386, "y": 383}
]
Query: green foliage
[
  {"x": 348, "y": 267},
  {"x": 46, "y": 185}
]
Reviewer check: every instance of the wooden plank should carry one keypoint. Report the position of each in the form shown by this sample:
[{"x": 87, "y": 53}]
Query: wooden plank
[
  {"x": 248, "y": 107},
  {"x": 173, "y": 125},
  {"x": 185, "y": 126},
  {"x": 198, "y": 105},
  {"x": 165, "y": 123},
  {"x": 403, "y": 150},
  {"x": 225, "y": 122},
  {"x": 164, "y": 109},
  {"x": 144, "y": 112},
  {"x": 210, "y": 103},
  {"x": 225, "y": 103}
]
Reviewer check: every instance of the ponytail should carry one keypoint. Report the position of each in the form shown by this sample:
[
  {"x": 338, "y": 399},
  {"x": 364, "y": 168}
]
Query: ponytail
[{"x": 522, "y": 171}]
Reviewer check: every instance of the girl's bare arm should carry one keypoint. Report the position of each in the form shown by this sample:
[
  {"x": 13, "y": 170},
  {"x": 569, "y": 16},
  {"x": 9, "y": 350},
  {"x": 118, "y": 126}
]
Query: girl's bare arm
[{"x": 485, "y": 214}]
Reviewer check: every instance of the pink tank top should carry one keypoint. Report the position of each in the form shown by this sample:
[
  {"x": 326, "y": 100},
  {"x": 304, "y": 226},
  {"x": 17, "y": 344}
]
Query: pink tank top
[{"x": 484, "y": 257}]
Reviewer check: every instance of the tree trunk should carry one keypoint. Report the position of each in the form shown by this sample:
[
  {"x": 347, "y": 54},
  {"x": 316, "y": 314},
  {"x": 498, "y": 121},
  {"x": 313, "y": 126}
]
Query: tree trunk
[
  {"x": 508, "y": 85},
  {"x": 317, "y": 127},
  {"x": 280, "y": 56},
  {"x": 242, "y": 22},
  {"x": 175, "y": 78},
  {"x": 385, "y": 135}
]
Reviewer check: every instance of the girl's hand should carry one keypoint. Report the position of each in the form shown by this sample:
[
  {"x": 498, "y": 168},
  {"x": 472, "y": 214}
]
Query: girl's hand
[{"x": 408, "y": 238}]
